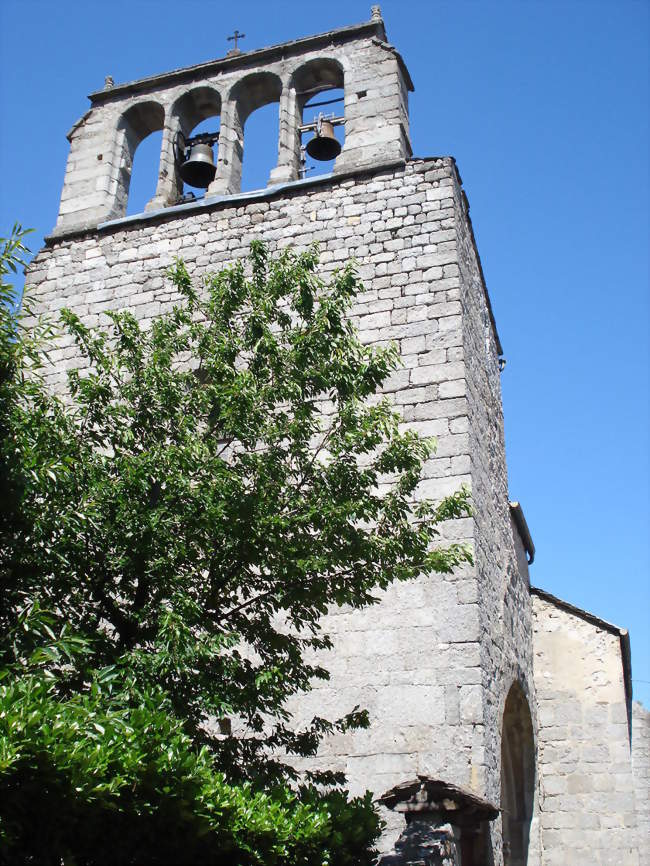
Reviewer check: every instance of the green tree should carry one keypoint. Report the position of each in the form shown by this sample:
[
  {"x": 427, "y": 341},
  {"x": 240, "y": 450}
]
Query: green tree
[{"x": 176, "y": 525}]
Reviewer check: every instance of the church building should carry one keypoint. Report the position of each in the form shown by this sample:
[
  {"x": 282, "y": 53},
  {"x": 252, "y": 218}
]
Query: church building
[{"x": 502, "y": 724}]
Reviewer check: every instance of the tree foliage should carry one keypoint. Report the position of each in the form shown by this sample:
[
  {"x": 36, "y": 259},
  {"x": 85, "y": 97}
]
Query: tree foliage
[{"x": 177, "y": 525}]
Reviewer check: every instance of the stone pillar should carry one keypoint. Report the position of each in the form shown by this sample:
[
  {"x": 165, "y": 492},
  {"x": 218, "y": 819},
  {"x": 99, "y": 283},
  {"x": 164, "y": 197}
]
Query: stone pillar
[
  {"x": 170, "y": 186},
  {"x": 230, "y": 152},
  {"x": 120, "y": 163},
  {"x": 288, "y": 165}
]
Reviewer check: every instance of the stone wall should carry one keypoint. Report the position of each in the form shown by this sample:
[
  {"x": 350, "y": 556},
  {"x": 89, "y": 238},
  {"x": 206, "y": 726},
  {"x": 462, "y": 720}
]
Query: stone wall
[
  {"x": 434, "y": 660},
  {"x": 587, "y": 799},
  {"x": 503, "y": 584},
  {"x": 641, "y": 771}
]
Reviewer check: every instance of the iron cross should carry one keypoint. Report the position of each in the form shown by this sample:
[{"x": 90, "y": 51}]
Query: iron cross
[{"x": 236, "y": 36}]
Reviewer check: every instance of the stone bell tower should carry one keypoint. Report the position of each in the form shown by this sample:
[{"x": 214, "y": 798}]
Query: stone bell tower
[
  {"x": 103, "y": 142},
  {"x": 444, "y": 664}
]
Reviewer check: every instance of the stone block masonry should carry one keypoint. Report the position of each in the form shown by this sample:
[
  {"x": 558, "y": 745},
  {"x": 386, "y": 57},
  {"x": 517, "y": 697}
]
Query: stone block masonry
[
  {"x": 434, "y": 660},
  {"x": 586, "y": 782}
]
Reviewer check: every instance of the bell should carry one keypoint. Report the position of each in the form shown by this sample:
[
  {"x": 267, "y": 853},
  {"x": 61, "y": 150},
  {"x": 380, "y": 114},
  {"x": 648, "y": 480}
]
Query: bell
[
  {"x": 199, "y": 168},
  {"x": 324, "y": 145}
]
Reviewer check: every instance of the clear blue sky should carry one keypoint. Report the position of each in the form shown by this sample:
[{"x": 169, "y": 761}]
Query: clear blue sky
[{"x": 545, "y": 107}]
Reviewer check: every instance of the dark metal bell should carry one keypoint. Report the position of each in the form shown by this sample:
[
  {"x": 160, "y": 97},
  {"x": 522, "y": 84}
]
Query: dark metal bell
[
  {"x": 199, "y": 168},
  {"x": 324, "y": 145}
]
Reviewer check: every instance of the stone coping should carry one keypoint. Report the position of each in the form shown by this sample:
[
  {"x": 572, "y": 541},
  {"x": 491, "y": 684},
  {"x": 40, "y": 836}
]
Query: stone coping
[
  {"x": 428, "y": 795},
  {"x": 255, "y": 58},
  {"x": 215, "y": 201}
]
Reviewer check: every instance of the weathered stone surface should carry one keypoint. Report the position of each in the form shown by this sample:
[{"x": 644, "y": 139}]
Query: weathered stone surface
[{"x": 587, "y": 788}]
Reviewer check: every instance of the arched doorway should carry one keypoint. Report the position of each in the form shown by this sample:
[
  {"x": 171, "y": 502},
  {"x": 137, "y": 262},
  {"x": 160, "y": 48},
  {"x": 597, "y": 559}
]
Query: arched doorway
[{"x": 517, "y": 777}]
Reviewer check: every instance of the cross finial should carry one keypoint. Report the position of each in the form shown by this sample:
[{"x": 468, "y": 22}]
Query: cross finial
[{"x": 235, "y": 38}]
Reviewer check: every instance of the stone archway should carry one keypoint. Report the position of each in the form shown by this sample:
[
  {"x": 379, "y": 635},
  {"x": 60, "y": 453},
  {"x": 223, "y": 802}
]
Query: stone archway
[
  {"x": 134, "y": 125},
  {"x": 517, "y": 777}
]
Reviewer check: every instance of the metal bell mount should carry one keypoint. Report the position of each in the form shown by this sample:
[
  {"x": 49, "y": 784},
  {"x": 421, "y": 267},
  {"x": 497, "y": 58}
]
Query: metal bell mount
[{"x": 324, "y": 145}]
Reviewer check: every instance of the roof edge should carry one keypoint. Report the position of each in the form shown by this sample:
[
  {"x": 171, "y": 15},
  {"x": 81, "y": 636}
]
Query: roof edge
[
  {"x": 522, "y": 528},
  {"x": 578, "y": 611},
  {"x": 428, "y": 794}
]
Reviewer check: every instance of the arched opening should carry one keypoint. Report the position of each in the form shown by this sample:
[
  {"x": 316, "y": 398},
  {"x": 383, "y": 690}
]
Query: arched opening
[
  {"x": 517, "y": 777},
  {"x": 257, "y": 100},
  {"x": 144, "y": 173},
  {"x": 261, "y": 128},
  {"x": 136, "y": 125},
  {"x": 320, "y": 93},
  {"x": 196, "y": 114}
]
